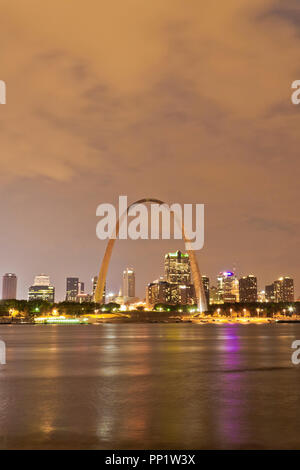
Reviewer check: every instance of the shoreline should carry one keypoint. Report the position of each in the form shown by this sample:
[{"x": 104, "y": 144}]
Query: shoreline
[{"x": 180, "y": 319}]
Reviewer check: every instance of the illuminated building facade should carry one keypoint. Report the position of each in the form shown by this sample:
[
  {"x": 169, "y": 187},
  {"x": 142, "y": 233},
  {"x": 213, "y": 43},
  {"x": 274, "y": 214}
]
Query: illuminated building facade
[
  {"x": 284, "y": 289},
  {"x": 261, "y": 296},
  {"x": 9, "y": 286},
  {"x": 94, "y": 284},
  {"x": 205, "y": 282},
  {"x": 214, "y": 296},
  {"x": 41, "y": 289},
  {"x": 177, "y": 268},
  {"x": 248, "y": 288},
  {"x": 158, "y": 292},
  {"x": 175, "y": 287},
  {"x": 228, "y": 287},
  {"x": 128, "y": 290},
  {"x": 46, "y": 293},
  {"x": 72, "y": 288},
  {"x": 270, "y": 293},
  {"x": 186, "y": 294},
  {"x": 164, "y": 292}
]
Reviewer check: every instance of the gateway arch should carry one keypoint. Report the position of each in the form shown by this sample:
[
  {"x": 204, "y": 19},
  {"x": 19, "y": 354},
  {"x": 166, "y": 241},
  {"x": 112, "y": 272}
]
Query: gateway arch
[{"x": 196, "y": 275}]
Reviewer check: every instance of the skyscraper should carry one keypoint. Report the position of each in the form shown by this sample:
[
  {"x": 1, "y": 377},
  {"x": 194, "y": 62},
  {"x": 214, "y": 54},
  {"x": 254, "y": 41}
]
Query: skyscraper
[
  {"x": 72, "y": 289},
  {"x": 228, "y": 287},
  {"x": 128, "y": 283},
  {"x": 248, "y": 288},
  {"x": 94, "y": 283},
  {"x": 261, "y": 296},
  {"x": 214, "y": 296},
  {"x": 205, "y": 281},
  {"x": 164, "y": 292},
  {"x": 177, "y": 268},
  {"x": 175, "y": 287},
  {"x": 9, "y": 286},
  {"x": 41, "y": 289},
  {"x": 284, "y": 289},
  {"x": 158, "y": 292},
  {"x": 270, "y": 293}
]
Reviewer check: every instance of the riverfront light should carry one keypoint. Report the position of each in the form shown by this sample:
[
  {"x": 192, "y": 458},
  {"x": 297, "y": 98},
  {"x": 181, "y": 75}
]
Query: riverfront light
[{"x": 60, "y": 320}]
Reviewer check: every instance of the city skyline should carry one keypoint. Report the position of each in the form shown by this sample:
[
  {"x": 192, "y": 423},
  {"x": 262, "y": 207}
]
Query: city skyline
[
  {"x": 151, "y": 114},
  {"x": 90, "y": 285},
  {"x": 149, "y": 241}
]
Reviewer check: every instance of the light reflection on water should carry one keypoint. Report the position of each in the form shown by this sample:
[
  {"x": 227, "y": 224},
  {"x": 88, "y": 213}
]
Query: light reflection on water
[{"x": 149, "y": 386}]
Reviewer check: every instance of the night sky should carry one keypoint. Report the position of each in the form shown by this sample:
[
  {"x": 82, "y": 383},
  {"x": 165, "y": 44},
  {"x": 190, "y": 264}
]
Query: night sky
[{"x": 187, "y": 102}]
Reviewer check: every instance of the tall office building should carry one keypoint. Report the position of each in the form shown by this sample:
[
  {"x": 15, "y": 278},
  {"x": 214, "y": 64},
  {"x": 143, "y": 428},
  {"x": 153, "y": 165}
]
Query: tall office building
[
  {"x": 228, "y": 287},
  {"x": 128, "y": 283},
  {"x": 158, "y": 292},
  {"x": 214, "y": 296},
  {"x": 205, "y": 281},
  {"x": 9, "y": 286},
  {"x": 72, "y": 289},
  {"x": 41, "y": 289},
  {"x": 248, "y": 288},
  {"x": 284, "y": 289},
  {"x": 176, "y": 287},
  {"x": 270, "y": 293},
  {"x": 177, "y": 268},
  {"x": 94, "y": 284},
  {"x": 235, "y": 290},
  {"x": 261, "y": 296},
  {"x": 185, "y": 294},
  {"x": 163, "y": 292}
]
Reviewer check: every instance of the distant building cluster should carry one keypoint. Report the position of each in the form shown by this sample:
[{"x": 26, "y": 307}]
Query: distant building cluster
[
  {"x": 230, "y": 289},
  {"x": 75, "y": 290},
  {"x": 175, "y": 287}
]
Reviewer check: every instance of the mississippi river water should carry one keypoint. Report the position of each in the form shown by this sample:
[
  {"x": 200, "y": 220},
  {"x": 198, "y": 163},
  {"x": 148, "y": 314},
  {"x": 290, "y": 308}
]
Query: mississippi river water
[{"x": 149, "y": 386}]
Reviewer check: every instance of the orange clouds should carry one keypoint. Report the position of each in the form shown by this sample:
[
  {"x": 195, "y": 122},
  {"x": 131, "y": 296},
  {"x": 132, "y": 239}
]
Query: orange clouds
[
  {"x": 186, "y": 101},
  {"x": 97, "y": 84}
]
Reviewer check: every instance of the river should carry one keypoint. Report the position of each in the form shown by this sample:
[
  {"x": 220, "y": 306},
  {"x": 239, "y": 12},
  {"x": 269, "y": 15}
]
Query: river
[{"x": 149, "y": 386}]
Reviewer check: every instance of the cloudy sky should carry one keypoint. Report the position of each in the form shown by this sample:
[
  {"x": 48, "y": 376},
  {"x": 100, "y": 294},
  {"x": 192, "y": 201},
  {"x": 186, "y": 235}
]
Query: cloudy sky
[{"x": 187, "y": 102}]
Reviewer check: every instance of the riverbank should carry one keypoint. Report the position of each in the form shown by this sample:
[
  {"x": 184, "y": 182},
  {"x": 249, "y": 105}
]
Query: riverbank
[{"x": 148, "y": 317}]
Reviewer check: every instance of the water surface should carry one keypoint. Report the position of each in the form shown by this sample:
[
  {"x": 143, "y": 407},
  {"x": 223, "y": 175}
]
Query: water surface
[{"x": 149, "y": 386}]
